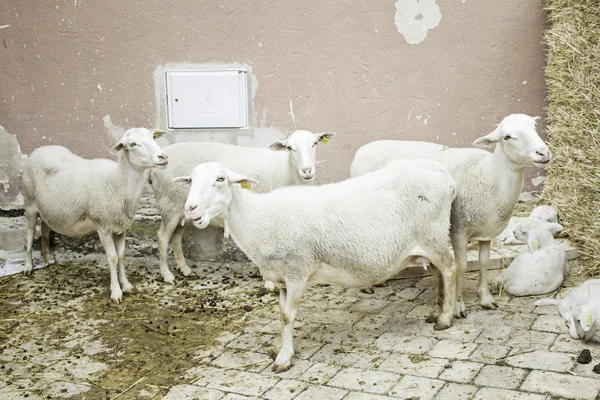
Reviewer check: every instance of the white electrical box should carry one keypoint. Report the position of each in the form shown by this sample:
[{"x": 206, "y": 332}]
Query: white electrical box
[{"x": 207, "y": 99}]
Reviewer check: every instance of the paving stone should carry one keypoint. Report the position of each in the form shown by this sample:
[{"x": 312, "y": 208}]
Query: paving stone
[
  {"x": 298, "y": 368},
  {"x": 527, "y": 340},
  {"x": 546, "y": 360},
  {"x": 399, "y": 307},
  {"x": 565, "y": 343},
  {"x": 497, "y": 394},
  {"x": 330, "y": 316},
  {"x": 190, "y": 392},
  {"x": 412, "y": 386},
  {"x": 418, "y": 365},
  {"x": 332, "y": 353},
  {"x": 390, "y": 323},
  {"x": 285, "y": 389},
  {"x": 322, "y": 393},
  {"x": 561, "y": 385},
  {"x": 257, "y": 342},
  {"x": 489, "y": 353},
  {"x": 452, "y": 349},
  {"x": 494, "y": 335},
  {"x": 242, "y": 360},
  {"x": 364, "y": 396},
  {"x": 521, "y": 304},
  {"x": 550, "y": 310},
  {"x": 348, "y": 335},
  {"x": 409, "y": 293},
  {"x": 517, "y": 320},
  {"x": 227, "y": 337},
  {"x": 500, "y": 377},
  {"x": 550, "y": 323},
  {"x": 305, "y": 348},
  {"x": 367, "y": 381},
  {"x": 459, "y": 332},
  {"x": 202, "y": 374},
  {"x": 233, "y": 396},
  {"x": 367, "y": 358},
  {"x": 404, "y": 344},
  {"x": 461, "y": 371},
  {"x": 457, "y": 391},
  {"x": 369, "y": 305},
  {"x": 319, "y": 373},
  {"x": 421, "y": 311},
  {"x": 241, "y": 382}
]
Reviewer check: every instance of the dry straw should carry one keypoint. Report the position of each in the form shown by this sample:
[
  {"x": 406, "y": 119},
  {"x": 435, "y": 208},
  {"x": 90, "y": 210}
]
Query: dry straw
[{"x": 573, "y": 109}]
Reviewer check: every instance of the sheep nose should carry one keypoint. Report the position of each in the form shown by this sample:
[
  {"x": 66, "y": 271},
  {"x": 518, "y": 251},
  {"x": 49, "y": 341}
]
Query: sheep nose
[
  {"x": 541, "y": 153},
  {"x": 163, "y": 157},
  {"x": 192, "y": 207},
  {"x": 307, "y": 170}
]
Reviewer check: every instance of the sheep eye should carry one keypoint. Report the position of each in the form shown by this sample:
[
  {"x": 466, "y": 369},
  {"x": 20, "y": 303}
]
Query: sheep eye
[
  {"x": 289, "y": 148},
  {"x": 507, "y": 137},
  {"x": 314, "y": 144},
  {"x": 132, "y": 144},
  {"x": 220, "y": 179}
]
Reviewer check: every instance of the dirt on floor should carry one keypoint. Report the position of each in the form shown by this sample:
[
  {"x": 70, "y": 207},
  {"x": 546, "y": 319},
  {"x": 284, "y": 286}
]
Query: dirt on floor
[{"x": 62, "y": 337}]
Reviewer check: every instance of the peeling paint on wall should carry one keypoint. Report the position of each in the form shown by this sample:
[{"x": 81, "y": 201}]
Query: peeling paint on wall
[
  {"x": 11, "y": 167},
  {"x": 415, "y": 17}
]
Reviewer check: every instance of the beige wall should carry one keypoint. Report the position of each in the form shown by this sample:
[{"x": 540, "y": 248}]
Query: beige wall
[{"x": 67, "y": 65}]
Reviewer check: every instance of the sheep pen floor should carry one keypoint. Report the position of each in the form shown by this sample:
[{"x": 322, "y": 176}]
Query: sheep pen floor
[{"x": 212, "y": 336}]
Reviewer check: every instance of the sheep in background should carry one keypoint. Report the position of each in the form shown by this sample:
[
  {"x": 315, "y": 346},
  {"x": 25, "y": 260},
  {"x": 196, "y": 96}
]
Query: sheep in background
[
  {"x": 581, "y": 310},
  {"x": 289, "y": 162},
  {"x": 75, "y": 196},
  {"x": 488, "y": 185},
  {"x": 542, "y": 269},
  {"x": 544, "y": 213},
  {"x": 327, "y": 234}
]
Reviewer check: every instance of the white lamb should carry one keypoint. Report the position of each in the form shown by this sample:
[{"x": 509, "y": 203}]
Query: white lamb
[
  {"x": 488, "y": 185},
  {"x": 74, "y": 197},
  {"x": 544, "y": 213},
  {"x": 360, "y": 231},
  {"x": 292, "y": 162},
  {"x": 581, "y": 310},
  {"x": 542, "y": 269}
]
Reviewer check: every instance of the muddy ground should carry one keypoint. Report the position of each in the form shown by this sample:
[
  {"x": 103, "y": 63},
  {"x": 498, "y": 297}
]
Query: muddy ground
[{"x": 62, "y": 337}]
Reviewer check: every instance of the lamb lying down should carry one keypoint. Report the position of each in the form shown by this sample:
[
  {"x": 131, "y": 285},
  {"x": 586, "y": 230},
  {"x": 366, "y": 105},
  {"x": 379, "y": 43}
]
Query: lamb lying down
[
  {"x": 544, "y": 213},
  {"x": 542, "y": 269},
  {"x": 580, "y": 310}
]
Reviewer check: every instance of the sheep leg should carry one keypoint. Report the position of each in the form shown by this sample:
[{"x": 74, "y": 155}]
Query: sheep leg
[
  {"x": 486, "y": 299},
  {"x": 32, "y": 217},
  {"x": 447, "y": 268},
  {"x": 289, "y": 301},
  {"x": 459, "y": 244},
  {"x": 167, "y": 227},
  {"x": 46, "y": 254},
  {"x": 438, "y": 297},
  {"x": 126, "y": 286},
  {"x": 106, "y": 238},
  {"x": 177, "y": 247}
]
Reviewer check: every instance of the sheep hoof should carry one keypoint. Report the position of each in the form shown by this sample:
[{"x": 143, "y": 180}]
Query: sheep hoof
[
  {"x": 431, "y": 319},
  {"x": 382, "y": 284},
  {"x": 278, "y": 368},
  {"x": 169, "y": 278},
  {"x": 368, "y": 290},
  {"x": 127, "y": 287},
  {"x": 185, "y": 270},
  {"x": 27, "y": 271},
  {"x": 116, "y": 295},
  {"x": 490, "y": 306},
  {"x": 269, "y": 286},
  {"x": 440, "y": 326},
  {"x": 459, "y": 310}
]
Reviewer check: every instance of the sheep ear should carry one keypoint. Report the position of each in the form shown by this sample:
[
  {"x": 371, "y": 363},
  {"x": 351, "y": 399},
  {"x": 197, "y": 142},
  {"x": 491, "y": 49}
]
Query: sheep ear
[
  {"x": 554, "y": 227},
  {"x": 587, "y": 318},
  {"x": 182, "y": 180},
  {"x": 157, "y": 134},
  {"x": 532, "y": 241},
  {"x": 324, "y": 137},
  {"x": 537, "y": 119},
  {"x": 278, "y": 146},
  {"x": 488, "y": 140},
  {"x": 119, "y": 146},
  {"x": 234, "y": 177}
]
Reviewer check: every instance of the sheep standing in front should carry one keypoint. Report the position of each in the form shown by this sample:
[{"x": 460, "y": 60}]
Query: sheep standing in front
[
  {"x": 542, "y": 269},
  {"x": 488, "y": 185},
  {"x": 327, "y": 234},
  {"x": 292, "y": 162},
  {"x": 580, "y": 310},
  {"x": 74, "y": 197}
]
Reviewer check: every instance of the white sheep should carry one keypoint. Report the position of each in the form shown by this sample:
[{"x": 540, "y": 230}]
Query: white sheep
[
  {"x": 360, "y": 231},
  {"x": 580, "y": 310},
  {"x": 542, "y": 269},
  {"x": 488, "y": 185},
  {"x": 544, "y": 213},
  {"x": 288, "y": 162},
  {"x": 75, "y": 196}
]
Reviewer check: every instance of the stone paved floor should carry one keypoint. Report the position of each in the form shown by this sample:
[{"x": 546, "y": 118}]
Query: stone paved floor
[{"x": 353, "y": 346}]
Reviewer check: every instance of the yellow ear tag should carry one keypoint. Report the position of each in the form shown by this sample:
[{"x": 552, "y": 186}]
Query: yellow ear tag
[
  {"x": 588, "y": 319},
  {"x": 324, "y": 140},
  {"x": 534, "y": 245},
  {"x": 245, "y": 185},
  {"x": 158, "y": 133}
]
